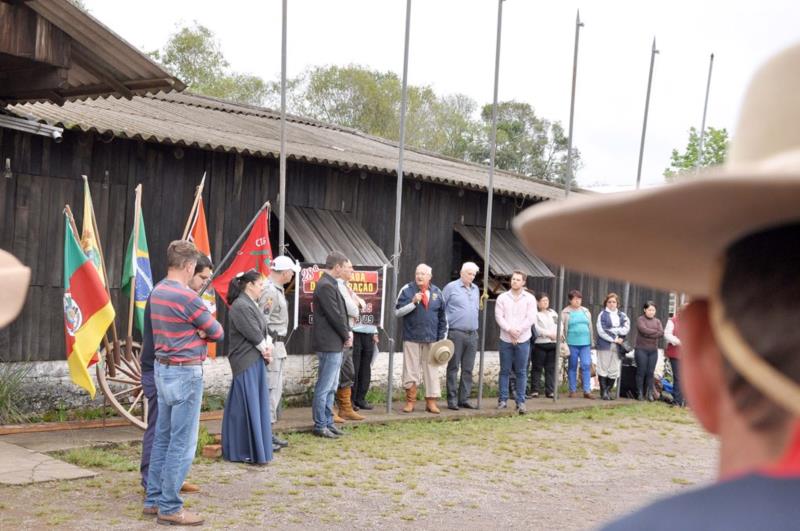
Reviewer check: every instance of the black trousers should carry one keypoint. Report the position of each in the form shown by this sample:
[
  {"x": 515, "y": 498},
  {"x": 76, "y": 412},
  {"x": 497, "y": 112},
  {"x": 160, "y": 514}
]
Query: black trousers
[
  {"x": 645, "y": 369},
  {"x": 363, "y": 347},
  {"x": 543, "y": 357},
  {"x": 677, "y": 396}
]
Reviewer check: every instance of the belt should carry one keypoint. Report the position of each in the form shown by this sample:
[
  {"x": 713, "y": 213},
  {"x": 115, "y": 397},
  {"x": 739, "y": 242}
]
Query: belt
[
  {"x": 468, "y": 332},
  {"x": 164, "y": 361},
  {"x": 277, "y": 338}
]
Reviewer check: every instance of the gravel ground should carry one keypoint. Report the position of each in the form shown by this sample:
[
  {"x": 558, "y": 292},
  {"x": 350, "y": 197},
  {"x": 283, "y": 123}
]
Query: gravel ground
[{"x": 552, "y": 471}]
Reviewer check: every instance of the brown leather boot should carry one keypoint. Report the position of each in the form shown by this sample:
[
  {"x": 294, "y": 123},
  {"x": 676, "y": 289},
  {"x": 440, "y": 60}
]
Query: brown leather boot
[
  {"x": 338, "y": 401},
  {"x": 588, "y": 396},
  {"x": 411, "y": 399},
  {"x": 430, "y": 406},
  {"x": 188, "y": 488},
  {"x": 346, "y": 406},
  {"x": 182, "y": 517}
]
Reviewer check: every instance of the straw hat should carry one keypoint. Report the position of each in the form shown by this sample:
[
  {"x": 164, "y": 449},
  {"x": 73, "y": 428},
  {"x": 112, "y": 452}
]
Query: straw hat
[
  {"x": 14, "y": 279},
  {"x": 678, "y": 233},
  {"x": 441, "y": 352}
]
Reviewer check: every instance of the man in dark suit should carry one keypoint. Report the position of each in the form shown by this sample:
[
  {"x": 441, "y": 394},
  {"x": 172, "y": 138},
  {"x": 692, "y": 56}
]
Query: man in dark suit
[{"x": 330, "y": 334}]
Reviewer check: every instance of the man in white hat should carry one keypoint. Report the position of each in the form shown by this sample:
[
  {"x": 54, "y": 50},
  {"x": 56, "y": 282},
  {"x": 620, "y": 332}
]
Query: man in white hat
[
  {"x": 276, "y": 308},
  {"x": 734, "y": 247}
]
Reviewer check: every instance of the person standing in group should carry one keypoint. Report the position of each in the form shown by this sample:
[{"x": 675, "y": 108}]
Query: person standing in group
[
  {"x": 202, "y": 273},
  {"x": 515, "y": 312},
  {"x": 544, "y": 348},
  {"x": 612, "y": 327},
  {"x": 181, "y": 327},
  {"x": 421, "y": 306},
  {"x": 365, "y": 340},
  {"x": 246, "y": 425},
  {"x": 461, "y": 306},
  {"x": 347, "y": 375},
  {"x": 274, "y": 305},
  {"x": 673, "y": 352},
  {"x": 577, "y": 325},
  {"x": 330, "y": 335},
  {"x": 649, "y": 331}
]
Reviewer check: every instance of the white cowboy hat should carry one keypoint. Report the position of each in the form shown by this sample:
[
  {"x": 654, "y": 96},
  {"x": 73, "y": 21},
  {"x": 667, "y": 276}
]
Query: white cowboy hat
[
  {"x": 678, "y": 232},
  {"x": 441, "y": 352},
  {"x": 14, "y": 279}
]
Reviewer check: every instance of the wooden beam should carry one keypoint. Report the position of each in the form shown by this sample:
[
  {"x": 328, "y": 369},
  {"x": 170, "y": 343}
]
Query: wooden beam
[
  {"x": 25, "y": 34},
  {"x": 99, "y": 68},
  {"x": 42, "y": 78}
]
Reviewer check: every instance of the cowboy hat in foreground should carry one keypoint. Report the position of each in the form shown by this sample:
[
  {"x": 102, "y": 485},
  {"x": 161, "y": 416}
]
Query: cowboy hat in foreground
[{"x": 731, "y": 240}]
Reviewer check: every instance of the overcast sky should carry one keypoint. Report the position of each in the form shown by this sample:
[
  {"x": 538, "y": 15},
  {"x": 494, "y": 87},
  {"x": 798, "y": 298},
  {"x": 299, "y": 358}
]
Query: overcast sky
[{"x": 453, "y": 47}]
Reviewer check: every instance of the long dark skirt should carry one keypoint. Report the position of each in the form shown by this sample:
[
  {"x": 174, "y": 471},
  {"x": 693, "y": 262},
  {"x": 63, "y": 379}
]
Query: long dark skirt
[{"x": 246, "y": 426}]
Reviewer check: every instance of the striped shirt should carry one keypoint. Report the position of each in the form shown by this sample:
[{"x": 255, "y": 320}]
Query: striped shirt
[{"x": 176, "y": 314}]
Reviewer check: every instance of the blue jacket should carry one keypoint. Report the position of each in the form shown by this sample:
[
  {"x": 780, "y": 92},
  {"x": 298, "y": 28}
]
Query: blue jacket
[
  {"x": 423, "y": 325},
  {"x": 606, "y": 328}
]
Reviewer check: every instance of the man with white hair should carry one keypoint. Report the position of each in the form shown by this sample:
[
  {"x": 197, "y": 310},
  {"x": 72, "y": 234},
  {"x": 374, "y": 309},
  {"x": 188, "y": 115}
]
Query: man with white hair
[
  {"x": 421, "y": 306},
  {"x": 461, "y": 306}
]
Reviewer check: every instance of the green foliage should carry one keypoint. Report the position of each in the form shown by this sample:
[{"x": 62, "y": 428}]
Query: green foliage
[
  {"x": 12, "y": 376},
  {"x": 194, "y": 56},
  {"x": 203, "y": 438},
  {"x": 715, "y": 148}
]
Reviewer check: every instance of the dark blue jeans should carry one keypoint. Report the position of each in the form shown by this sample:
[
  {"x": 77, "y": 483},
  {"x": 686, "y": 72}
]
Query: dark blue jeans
[
  {"x": 518, "y": 356},
  {"x": 149, "y": 388},
  {"x": 330, "y": 364},
  {"x": 677, "y": 396},
  {"x": 645, "y": 368}
]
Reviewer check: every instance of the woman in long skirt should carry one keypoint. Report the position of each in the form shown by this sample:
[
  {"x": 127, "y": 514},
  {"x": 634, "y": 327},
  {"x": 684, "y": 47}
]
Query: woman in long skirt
[{"x": 246, "y": 426}]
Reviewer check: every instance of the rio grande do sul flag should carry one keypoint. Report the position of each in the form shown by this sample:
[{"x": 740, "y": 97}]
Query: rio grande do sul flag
[
  {"x": 87, "y": 310},
  {"x": 255, "y": 253},
  {"x": 199, "y": 236}
]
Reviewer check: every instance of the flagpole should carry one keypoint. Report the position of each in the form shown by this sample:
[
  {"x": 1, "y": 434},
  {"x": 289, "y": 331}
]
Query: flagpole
[
  {"x": 282, "y": 161},
  {"x": 136, "y": 215},
  {"x": 490, "y": 191},
  {"x": 699, "y": 162},
  {"x": 198, "y": 196},
  {"x": 560, "y": 295},
  {"x": 233, "y": 249},
  {"x": 653, "y": 52}
]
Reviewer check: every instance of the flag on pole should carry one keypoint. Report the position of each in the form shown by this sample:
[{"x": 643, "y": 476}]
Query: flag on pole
[
  {"x": 198, "y": 234},
  {"x": 255, "y": 253},
  {"x": 88, "y": 238},
  {"x": 87, "y": 310},
  {"x": 137, "y": 264}
]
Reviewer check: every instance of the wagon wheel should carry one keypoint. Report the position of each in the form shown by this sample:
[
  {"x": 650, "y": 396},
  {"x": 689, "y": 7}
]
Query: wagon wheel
[{"x": 124, "y": 389}]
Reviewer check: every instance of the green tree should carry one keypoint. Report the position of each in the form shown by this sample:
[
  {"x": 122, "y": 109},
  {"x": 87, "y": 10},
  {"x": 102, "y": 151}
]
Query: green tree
[
  {"x": 193, "y": 55},
  {"x": 715, "y": 148}
]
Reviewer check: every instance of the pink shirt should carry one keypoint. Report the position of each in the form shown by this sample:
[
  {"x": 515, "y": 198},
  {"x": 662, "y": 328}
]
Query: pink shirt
[{"x": 519, "y": 313}]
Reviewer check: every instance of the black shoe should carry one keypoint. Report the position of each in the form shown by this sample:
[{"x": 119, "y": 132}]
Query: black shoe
[
  {"x": 276, "y": 448},
  {"x": 467, "y": 405},
  {"x": 279, "y": 442},
  {"x": 549, "y": 395},
  {"x": 336, "y": 431},
  {"x": 355, "y": 406},
  {"x": 365, "y": 405},
  {"x": 325, "y": 433},
  {"x": 452, "y": 406}
]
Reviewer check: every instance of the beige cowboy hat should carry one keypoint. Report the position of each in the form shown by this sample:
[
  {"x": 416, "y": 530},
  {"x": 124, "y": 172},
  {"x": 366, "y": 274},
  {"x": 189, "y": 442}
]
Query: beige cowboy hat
[
  {"x": 14, "y": 279},
  {"x": 679, "y": 232},
  {"x": 442, "y": 351}
]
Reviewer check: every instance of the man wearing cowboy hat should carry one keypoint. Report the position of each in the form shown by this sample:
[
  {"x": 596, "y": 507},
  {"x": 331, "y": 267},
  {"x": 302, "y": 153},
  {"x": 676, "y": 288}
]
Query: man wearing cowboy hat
[
  {"x": 421, "y": 306},
  {"x": 735, "y": 241}
]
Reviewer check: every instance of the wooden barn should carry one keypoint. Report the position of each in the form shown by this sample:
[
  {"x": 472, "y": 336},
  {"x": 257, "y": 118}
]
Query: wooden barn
[{"x": 340, "y": 191}]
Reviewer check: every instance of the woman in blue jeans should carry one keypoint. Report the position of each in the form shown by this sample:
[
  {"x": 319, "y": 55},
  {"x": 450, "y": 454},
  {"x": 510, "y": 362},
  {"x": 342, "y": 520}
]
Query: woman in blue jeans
[{"x": 578, "y": 336}]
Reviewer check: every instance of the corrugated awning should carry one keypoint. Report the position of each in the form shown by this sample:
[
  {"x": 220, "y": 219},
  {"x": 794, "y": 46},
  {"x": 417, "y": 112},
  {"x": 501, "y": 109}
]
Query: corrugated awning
[
  {"x": 318, "y": 232},
  {"x": 507, "y": 253}
]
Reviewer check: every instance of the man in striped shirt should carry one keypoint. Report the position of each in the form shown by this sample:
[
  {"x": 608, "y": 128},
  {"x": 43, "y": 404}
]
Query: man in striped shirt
[{"x": 181, "y": 327}]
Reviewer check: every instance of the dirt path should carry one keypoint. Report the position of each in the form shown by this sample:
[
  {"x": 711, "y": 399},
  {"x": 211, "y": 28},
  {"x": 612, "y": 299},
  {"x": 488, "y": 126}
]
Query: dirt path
[{"x": 546, "y": 471}]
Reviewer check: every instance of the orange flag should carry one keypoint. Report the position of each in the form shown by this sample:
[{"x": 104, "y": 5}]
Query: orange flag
[{"x": 199, "y": 235}]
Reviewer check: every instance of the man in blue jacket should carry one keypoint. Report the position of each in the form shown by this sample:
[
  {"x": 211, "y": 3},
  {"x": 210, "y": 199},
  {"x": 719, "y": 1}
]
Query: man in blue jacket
[{"x": 421, "y": 306}]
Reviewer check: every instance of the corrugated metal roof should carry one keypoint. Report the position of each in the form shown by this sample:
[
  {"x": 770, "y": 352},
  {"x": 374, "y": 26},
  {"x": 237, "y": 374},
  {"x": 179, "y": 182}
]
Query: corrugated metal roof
[
  {"x": 207, "y": 123},
  {"x": 506, "y": 250},
  {"x": 318, "y": 232},
  {"x": 101, "y": 63}
]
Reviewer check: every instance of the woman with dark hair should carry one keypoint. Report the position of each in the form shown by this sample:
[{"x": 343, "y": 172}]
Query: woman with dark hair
[
  {"x": 246, "y": 426},
  {"x": 578, "y": 337},
  {"x": 612, "y": 327},
  {"x": 650, "y": 330},
  {"x": 544, "y": 348}
]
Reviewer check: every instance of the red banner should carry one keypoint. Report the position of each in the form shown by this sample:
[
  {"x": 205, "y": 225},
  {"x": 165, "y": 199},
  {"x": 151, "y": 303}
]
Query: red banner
[
  {"x": 255, "y": 253},
  {"x": 367, "y": 283}
]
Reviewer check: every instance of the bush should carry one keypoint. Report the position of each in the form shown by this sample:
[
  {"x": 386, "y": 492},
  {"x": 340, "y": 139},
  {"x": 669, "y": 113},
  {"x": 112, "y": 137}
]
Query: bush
[{"x": 12, "y": 376}]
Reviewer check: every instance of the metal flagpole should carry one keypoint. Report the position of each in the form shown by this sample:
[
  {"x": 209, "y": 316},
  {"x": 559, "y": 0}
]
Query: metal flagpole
[
  {"x": 699, "y": 162},
  {"x": 653, "y": 52},
  {"x": 567, "y": 185},
  {"x": 282, "y": 178},
  {"x": 392, "y": 320},
  {"x": 490, "y": 192}
]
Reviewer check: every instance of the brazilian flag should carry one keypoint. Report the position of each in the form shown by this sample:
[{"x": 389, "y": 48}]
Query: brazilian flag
[{"x": 137, "y": 265}]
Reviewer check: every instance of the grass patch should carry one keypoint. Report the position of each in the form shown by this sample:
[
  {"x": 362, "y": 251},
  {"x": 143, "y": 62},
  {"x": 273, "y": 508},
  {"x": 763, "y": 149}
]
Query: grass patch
[{"x": 117, "y": 458}]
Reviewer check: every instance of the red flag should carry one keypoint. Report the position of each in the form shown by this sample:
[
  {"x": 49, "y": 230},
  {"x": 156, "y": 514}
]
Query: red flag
[
  {"x": 255, "y": 253},
  {"x": 199, "y": 235}
]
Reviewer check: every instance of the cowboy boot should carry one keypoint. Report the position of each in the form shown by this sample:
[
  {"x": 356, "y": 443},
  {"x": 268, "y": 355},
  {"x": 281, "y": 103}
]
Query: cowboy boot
[
  {"x": 610, "y": 387},
  {"x": 411, "y": 399},
  {"x": 346, "y": 406},
  {"x": 602, "y": 380},
  {"x": 430, "y": 406},
  {"x": 337, "y": 418}
]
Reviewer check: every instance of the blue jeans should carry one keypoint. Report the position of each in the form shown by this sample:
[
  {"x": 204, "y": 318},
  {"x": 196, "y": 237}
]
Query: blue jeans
[
  {"x": 585, "y": 355},
  {"x": 518, "y": 356},
  {"x": 180, "y": 392},
  {"x": 330, "y": 364},
  {"x": 149, "y": 388}
]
